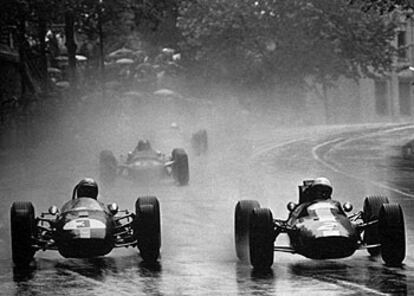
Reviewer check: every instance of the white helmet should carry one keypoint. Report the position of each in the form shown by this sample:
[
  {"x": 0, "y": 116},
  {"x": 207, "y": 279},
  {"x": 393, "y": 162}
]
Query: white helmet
[
  {"x": 322, "y": 181},
  {"x": 324, "y": 185}
]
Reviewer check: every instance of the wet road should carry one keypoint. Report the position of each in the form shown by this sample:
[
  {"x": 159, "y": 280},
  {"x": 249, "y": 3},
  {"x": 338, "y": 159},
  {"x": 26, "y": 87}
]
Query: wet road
[{"x": 198, "y": 255}]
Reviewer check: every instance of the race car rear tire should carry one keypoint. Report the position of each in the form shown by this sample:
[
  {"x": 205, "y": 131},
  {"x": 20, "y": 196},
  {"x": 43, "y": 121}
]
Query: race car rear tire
[
  {"x": 180, "y": 169},
  {"x": 242, "y": 212},
  {"x": 392, "y": 234},
  {"x": 148, "y": 228},
  {"x": 261, "y": 239},
  {"x": 371, "y": 209},
  {"x": 108, "y": 166},
  {"x": 23, "y": 230}
]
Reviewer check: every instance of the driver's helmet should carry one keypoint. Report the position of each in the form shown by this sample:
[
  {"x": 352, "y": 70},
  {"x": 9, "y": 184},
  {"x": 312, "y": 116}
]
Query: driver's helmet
[
  {"x": 87, "y": 188},
  {"x": 147, "y": 145},
  {"x": 141, "y": 145},
  {"x": 321, "y": 188}
]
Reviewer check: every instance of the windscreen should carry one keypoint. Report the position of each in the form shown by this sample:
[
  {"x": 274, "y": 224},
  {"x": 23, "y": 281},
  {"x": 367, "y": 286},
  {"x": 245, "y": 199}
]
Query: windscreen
[{"x": 83, "y": 203}]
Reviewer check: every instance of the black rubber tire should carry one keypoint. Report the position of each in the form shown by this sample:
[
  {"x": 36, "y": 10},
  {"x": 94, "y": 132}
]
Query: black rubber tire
[
  {"x": 392, "y": 234},
  {"x": 180, "y": 169},
  {"x": 108, "y": 166},
  {"x": 261, "y": 239},
  {"x": 23, "y": 230},
  {"x": 242, "y": 212},
  {"x": 371, "y": 209},
  {"x": 148, "y": 228}
]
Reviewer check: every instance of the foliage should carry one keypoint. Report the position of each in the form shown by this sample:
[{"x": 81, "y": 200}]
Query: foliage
[
  {"x": 279, "y": 42},
  {"x": 384, "y": 6},
  {"x": 249, "y": 43}
]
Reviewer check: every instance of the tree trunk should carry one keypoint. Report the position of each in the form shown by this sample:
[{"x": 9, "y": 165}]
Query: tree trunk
[
  {"x": 43, "y": 58},
  {"x": 71, "y": 47},
  {"x": 21, "y": 32},
  {"x": 26, "y": 84}
]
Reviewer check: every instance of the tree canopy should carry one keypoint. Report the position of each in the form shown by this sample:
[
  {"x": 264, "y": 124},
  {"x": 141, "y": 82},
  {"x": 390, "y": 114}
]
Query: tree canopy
[
  {"x": 284, "y": 42},
  {"x": 250, "y": 43}
]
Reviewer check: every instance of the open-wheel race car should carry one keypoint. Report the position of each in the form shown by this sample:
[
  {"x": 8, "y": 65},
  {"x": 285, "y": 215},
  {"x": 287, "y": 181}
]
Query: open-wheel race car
[
  {"x": 85, "y": 228},
  {"x": 320, "y": 229},
  {"x": 145, "y": 164}
]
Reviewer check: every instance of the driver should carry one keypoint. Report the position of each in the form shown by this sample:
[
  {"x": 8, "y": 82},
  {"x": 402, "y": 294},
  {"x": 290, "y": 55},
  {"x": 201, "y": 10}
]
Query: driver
[
  {"x": 142, "y": 146},
  {"x": 87, "y": 188},
  {"x": 321, "y": 189}
]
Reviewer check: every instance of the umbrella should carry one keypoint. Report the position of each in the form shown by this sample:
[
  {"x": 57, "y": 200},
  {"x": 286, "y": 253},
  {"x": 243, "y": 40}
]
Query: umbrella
[
  {"x": 124, "y": 61},
  {"x": 53, "y": 70},
  {"x": 63, "y": 84},
  {"x": 61, "y": 58},
  {"x": 81, "y": 58},
  {"x": 164, "y": 92},
  {"x": 121, "y": 52},
  {"x": 168, "y": 51}
]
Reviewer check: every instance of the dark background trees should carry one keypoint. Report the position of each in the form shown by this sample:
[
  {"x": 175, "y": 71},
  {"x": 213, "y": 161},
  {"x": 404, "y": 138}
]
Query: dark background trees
[
  {"x": 280, "y": 44},
  {"x": 284, "y": 47}
]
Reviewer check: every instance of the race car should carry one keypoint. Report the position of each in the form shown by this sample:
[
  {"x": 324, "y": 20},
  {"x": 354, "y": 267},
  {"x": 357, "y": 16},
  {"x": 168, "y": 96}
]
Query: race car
[
  {"x": 320, "y": 229},
  {"x": 85, "y": 228},
  {"x": 145, "y": 164}
]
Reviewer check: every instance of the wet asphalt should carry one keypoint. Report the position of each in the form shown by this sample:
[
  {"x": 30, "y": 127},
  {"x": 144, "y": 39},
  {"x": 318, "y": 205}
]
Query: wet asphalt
[{"x": 198, "y": 256}]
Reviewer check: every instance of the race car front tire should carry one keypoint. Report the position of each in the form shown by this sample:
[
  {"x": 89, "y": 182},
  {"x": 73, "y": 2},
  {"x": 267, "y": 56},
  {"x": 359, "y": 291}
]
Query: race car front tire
[
  {"x": 392, "y": 234},
  {"x": 261, "y": 239},
  {"x": 180, "y": 169},
  {"x": 242, "y": 212},
  {"x": 371, "y": 209},
  {"x": 148, "y": 228},
  {"x": 23, "y": 230}
]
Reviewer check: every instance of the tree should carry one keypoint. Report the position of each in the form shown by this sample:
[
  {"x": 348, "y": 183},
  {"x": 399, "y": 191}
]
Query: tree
[
  {"x": 383, "y": 6},
  {"x": 157, "y": 21},
  {"x": 280, "y": 44}
]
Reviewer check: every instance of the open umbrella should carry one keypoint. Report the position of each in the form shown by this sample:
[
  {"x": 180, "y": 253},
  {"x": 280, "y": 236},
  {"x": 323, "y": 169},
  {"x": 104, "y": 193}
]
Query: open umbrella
[
  {"x": 124, "y": 61},
  {"x": 122, "y": 52},
  {"x": 81, "y": 58},
  {"x": 53, "y": 70},
  {"x": 164, "y": 92},
  {"x": 61, "y": 58}
]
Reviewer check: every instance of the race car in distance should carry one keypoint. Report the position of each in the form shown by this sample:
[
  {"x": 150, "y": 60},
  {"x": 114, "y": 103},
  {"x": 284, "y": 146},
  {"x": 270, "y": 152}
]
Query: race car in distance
[
  {"x": 85, "y": 227},
  {"x": 145, "y": 163},
  {"x": 320, "y": 228}
]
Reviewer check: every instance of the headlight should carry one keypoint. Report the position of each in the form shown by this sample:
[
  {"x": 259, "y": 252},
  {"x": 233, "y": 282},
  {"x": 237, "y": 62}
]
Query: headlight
[
  {"x": 291, "y": 206},
  {"x": 348, "y": 207},
  {"x": 53, "y": 210},
  {"x": 113, "y": 208}
]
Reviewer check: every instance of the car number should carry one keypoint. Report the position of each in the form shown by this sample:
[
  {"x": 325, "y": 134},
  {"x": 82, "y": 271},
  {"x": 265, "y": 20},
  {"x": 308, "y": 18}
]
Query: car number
[
  {"x": 84, "y": 233},
  {"x": 330, "y": 233}
]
